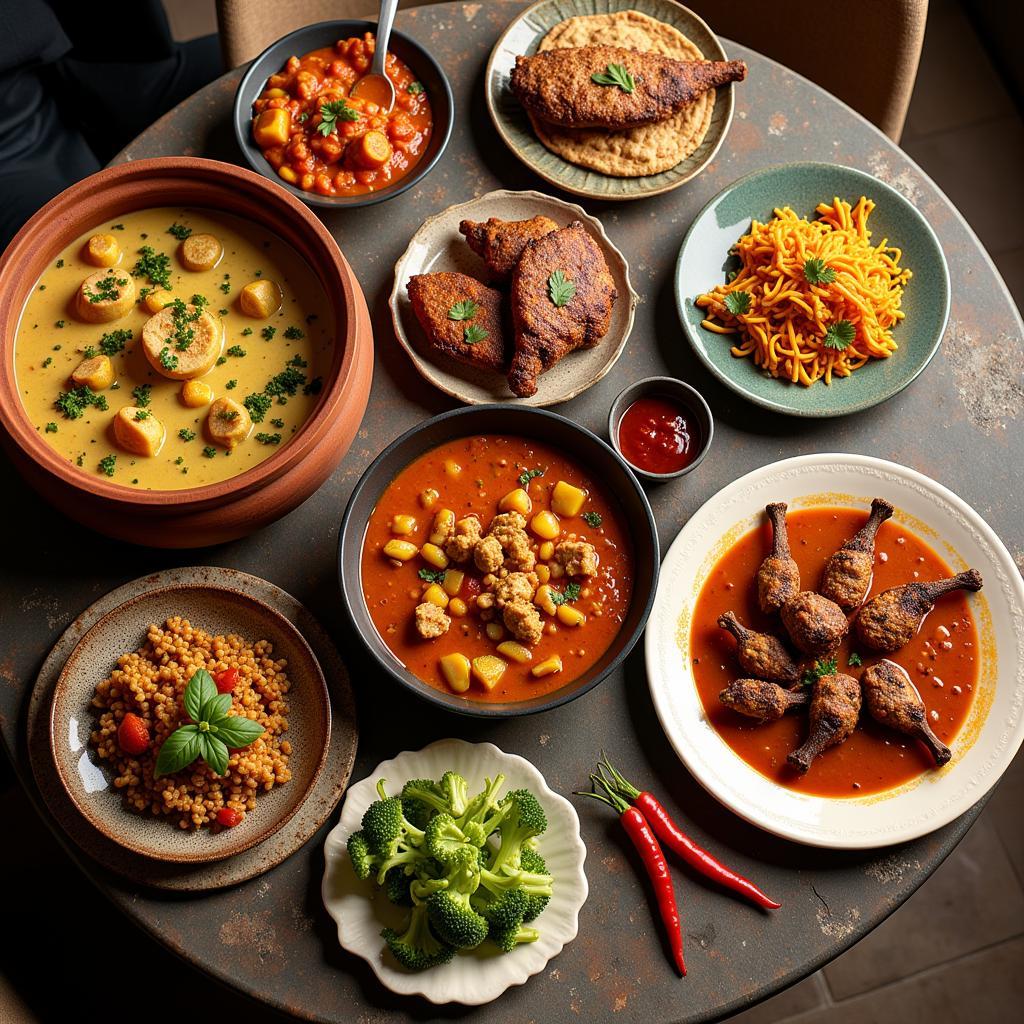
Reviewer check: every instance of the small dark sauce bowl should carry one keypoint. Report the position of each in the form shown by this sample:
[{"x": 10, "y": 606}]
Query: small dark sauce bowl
[
  {"x": 675, "y": 391},
  {"x": 327, "y": 33}
]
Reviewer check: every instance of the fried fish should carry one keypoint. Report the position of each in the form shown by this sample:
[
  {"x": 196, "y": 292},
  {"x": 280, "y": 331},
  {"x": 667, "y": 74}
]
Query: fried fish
[
  {"x": 568, "y": 266},
  {"x": 500, "y": 243},
  {"x": 559, "y": 87},
  {"x": 461, "y": 318}
]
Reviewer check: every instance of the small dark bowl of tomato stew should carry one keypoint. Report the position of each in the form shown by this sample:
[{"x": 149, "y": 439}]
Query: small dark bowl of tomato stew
[
  {"x": 296, "y": 123},
  {"x": 495, "y": 448},
  {"x": 661, "y": 427}
]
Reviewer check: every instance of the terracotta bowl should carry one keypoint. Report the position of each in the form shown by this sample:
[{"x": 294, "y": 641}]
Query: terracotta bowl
[
  {"x": 578, "y": 442},
  {"x": 88, "y": 780},
  {"x": 232, "y": 508}
]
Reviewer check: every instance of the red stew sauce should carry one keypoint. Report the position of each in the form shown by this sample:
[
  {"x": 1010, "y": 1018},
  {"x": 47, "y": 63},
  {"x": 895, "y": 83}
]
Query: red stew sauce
[
  {"x": 942, "y": 660},
  {"x": 659, "y": 435}
]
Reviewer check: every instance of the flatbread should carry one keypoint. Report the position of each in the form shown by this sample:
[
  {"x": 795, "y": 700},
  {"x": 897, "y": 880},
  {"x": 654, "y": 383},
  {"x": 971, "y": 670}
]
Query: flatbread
[{"x": 634, "y": 152}]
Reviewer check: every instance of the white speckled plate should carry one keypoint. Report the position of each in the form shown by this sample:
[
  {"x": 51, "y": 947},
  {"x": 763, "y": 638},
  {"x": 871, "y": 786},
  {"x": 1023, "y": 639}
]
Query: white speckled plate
[
  {"x": 994, "y": 728},
  {"x": 524, "y": 35},
  {"x": 479, "y": 976},
  {"x": 437, "y": 246}
]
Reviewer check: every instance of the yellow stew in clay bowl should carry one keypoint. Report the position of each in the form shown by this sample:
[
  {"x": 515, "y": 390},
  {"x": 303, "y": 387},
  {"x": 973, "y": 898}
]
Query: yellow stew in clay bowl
[{"x": 172, "y": 348}]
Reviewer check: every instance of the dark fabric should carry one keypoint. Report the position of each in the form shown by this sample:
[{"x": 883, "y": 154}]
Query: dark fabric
[{"x": 78, "y": 81}]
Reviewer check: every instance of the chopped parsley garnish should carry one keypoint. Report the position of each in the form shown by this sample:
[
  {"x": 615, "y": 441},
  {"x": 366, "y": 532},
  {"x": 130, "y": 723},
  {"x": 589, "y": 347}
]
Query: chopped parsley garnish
[
  {"x": 854, "y": 660},
  {"x": 107, "y": 289},
  {"x": 153, "y": 265},
  {"x": 117, "y": 227},
  {"x": 560, "y": 288},
  {"x": 567, "y": 596},
  {"x": 246, "y": 332},
  {"x": 268, "y": 333},
  {"x": 114, "y": 342},
  {"x": 179, "y": 460},
  {"x": 314, "y": 387},
  {"x": 223, "y": 312},
  {"x": 47, "y": 361},
  {"x": 80, "y": 460},
  {"x": 231, "y": 385},
  {"x": 168, "y": 360},
  {"x": 257, "y": 406},
  {"x": 210, "y": 452},
  {"x": 819, "y": 669},
  {"x": 464, "y": 310},
  {"x": 737, "y": 303},
  {"x": 228, "y": 415},
  {"x": 616, "y": 74},
  {"x": 431, "y": 575},
  {"x": 839, "y": 335},
  {"x": 303, "y": 117},
  {"x": 88, "y": 352},
  {"x": 268, "y": 438},
  {"x": 293, "y": 333},
  {"x": 221, "y": 360},
  {"x": 414, "y": 88},
  {"x": 818, "y": 272},
  {"x": 141, "y": 394},
  {"x": 529, "y": 474},
  {"x": 142, "y": 414},
  {"x": 333, "y": 112},
  {"x": 279, "y": 423},
  {"x": 72, "y": 404},
  {"x": 225, "y": 286},
  {"x": 298, "y": 361},
  {"x": 592, "y": 519},
  {"x": 236, "y": 350},
  {"x": 287, "y": 382},
  {"x": 179, "y": 231},
  {"x": 51, "y": 427},
  {"x": 107, "y": 464},
  {"x": 187, "y": 435},
  {"x": 59, "y": 325},
  {"x": 474, "y": 333},
  {"x": 60, "y": 263}
]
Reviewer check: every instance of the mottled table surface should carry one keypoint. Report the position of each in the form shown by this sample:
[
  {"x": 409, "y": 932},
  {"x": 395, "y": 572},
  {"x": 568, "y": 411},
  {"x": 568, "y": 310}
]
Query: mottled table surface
[{"x": 960, "y": 423}]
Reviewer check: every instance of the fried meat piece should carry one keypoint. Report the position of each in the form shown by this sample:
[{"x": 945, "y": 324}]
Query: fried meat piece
[
  {"x": 557, "y": 86},
  {"x": 516, "y": 586},
  {"x": 892, "y": 699},
  {"x": 846, "y": 578},
  {"x": 815, "y": 624},
  {"x": 461, "y": 544},
  {"x": 434, "y": 298},
  {"x": 835, "y": 708},
  {"x": 488, "y": 556},
  {"x": 500, "y": 243},
  {"x": 544, "y": 331},
  {"x": 431, "y": 621},
  {"x": 760, "y": 700},
  {"x": 509, "y": 529},
  {"x": 760, "y": 654},
  {"x": 523, "y": 621},
  {"x": 577, "y": 557},
  {"x": 778, "y": 578}
]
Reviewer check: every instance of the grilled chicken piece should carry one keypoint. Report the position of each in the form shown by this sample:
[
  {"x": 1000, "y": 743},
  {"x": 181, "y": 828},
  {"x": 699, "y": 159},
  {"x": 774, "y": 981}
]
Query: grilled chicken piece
[
  {"x": 778, "y": 578},
  {"x": 544, "y": 332},
  {"x": 500, "y": 243},
  {"x": 835, "y": 708},
  {"x": 847, "y": 575},
  {"x": 814, "y": 623},
  {"x": 557, "y": 86},
  {"x": 892, "y": 699},
  {"x": 434, "y": 297},
  {"x": 767, "y": 702},
  {"x": 760, "y": 654},
  {"x": 891, "y": 620}
]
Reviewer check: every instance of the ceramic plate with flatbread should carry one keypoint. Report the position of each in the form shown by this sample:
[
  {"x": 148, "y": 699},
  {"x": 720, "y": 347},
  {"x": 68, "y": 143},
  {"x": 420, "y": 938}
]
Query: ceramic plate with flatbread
[
  {"x": 621, "y": 165},
  {"x": 437, "y": 246}
]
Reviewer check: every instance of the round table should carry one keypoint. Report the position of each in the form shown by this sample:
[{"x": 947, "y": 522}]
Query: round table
[{"x": 271, "y": 937}]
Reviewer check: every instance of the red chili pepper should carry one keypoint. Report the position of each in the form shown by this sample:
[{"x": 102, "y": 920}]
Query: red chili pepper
[
  {"x": 225, "y": 681},
  {"x": 229, "y": 817},
  {"x": 647, "y": 846},
  {"x": 133, "y": 735},
  {"x": 679, "y": 842}
]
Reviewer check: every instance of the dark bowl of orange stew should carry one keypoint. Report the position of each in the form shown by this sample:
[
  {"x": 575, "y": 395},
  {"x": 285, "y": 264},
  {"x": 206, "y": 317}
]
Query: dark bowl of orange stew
[
  {"x": 296, "y": 123},
  {"x": 581, "y": 493}
]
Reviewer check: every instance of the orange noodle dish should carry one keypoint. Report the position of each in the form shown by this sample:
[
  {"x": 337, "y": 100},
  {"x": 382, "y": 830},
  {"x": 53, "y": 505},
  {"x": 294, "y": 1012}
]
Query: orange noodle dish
[{"x": 812, "y": 299}]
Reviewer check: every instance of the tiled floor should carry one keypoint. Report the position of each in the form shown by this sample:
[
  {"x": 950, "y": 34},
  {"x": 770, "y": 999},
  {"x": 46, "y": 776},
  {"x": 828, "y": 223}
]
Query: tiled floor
[{"x": 954, "y": 951}]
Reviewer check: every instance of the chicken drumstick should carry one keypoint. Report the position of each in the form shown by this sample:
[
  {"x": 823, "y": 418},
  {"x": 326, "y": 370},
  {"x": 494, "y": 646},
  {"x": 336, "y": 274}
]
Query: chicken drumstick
[
  {"x": 847, "y": 574},
  {"x": 835, "y": 708},
  {"x": 767, "y": 702},
  {"x": 778, "y": 578},
  {"x": 760, "y": 654},
  {"x": 891, "y": 620},
  {"x": 892, "y": 699}
]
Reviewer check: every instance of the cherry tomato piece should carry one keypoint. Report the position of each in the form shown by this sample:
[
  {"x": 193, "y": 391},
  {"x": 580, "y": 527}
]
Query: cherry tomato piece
[
  {"x": 225, "y": 681},
  {"x": 133, "y": 735},
  {"x": 229, "y": 817}
]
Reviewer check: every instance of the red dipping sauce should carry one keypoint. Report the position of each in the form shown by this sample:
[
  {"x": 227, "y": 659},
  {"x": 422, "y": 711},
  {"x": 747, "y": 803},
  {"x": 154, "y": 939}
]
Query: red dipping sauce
[{"x": 659, "y": 435}]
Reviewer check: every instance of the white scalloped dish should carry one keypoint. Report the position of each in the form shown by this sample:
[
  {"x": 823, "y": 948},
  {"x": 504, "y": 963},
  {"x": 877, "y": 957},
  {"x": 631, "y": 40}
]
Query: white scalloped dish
[
  {"x": 994, "y": 728},
  {"x": 478, "y": 976}
]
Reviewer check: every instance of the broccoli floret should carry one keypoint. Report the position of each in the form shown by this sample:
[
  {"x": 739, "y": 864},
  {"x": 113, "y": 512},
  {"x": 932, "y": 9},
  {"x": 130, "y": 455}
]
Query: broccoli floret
[
  {"x": 532, "y": 884},
  {"x": 456, "y": 792},
  {"x": 523, "y": 819},
  {"x": 416, "y": 948},
  {"x": 530, "y": 860},
  {"x": 447, "y": 843},
  {"x": 420, "y": 798},
  {"x": 363, "y": 862},
  {"x": 502, "y": 913},
  {"x": 481, "y": 809},
  {"x": 391, "y": 837},
  {"x": 396, "y": 886},
  {"x": 454, "y": 919},
  {"x": 507, "y": 940}
]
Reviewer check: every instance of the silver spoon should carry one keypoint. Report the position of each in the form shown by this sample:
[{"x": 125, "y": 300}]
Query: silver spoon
[{"x": 375, "y": 85}]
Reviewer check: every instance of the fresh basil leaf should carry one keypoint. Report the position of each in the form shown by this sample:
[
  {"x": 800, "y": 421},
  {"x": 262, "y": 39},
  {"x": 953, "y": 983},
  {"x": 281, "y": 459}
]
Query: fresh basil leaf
[
  {"x": 217, "y": 709},
  {"x": 179, "y": 750},
  {"x": 237, "y": 731},
  {"x": 616, "y": 74},
  {"x": 201, "y": 688},
  {"x": 560, "y": 288},
  {"x": 215, "y": 753}
]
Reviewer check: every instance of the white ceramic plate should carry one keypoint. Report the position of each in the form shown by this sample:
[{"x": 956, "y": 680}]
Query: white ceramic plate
[
  {"x": 361, "y": 910},
  {"x": 437, "y": 246},
  {"x": 989, "y": 738}
]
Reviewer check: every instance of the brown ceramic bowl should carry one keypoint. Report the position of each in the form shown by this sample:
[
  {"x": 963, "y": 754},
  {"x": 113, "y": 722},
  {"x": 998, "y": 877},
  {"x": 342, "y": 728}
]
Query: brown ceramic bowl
[
  {"x": 87, "y": 779},
  {"x": 235, "y": 507}
]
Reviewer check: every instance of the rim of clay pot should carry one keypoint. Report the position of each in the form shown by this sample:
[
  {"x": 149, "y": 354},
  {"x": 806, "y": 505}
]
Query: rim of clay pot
[{"x": 162, "y": 181}]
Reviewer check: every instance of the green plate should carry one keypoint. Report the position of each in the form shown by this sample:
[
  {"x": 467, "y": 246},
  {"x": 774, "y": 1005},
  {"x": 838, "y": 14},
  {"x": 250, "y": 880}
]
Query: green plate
[
  {"x": 704, "y": 260},
  {"x": 524, "y": 35}
]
